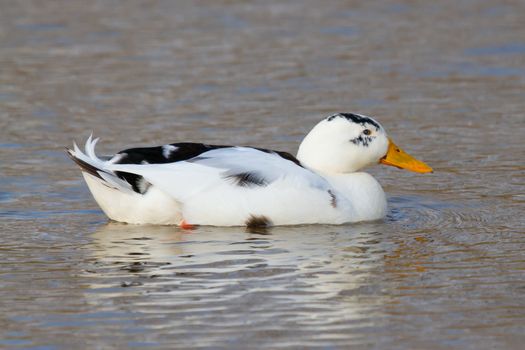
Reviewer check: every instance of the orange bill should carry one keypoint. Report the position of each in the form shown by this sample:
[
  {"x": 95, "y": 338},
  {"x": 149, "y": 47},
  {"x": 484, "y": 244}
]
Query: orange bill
[{"x": 395, "y": 156}]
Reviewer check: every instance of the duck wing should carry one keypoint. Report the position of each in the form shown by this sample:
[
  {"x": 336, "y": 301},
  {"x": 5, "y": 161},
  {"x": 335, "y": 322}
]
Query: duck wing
[
  {"x": 227, "y": 185},
  {"x": 190, "y": 168}
]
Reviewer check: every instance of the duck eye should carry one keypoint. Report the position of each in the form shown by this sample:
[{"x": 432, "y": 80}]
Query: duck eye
[{"x": 367, "y": 132}]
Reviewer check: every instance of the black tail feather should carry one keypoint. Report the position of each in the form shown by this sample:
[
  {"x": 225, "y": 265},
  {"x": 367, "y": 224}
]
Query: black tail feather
[
  {"x": 86, "y": 167},
  {"x": 137, "y": 182}
]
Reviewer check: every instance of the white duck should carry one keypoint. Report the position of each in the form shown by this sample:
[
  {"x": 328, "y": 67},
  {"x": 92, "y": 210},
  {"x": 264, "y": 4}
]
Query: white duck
[{"x": 199, "y": 184}]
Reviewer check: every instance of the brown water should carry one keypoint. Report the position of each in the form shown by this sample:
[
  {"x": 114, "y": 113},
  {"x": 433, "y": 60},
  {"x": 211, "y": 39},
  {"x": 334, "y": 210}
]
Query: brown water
[{"x": 445, "y": 269}]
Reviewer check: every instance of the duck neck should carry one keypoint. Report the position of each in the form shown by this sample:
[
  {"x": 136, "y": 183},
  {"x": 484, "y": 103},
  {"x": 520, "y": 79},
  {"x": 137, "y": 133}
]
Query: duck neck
[{"x": 323, "y": 162}]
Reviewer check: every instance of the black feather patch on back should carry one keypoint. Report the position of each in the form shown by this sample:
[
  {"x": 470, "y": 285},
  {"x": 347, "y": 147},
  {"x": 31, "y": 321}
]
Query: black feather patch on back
[
  {"x": 247, "y": 179},
  {"x": 180, "y": 152},
  {"x": 158, "y": 155},
  {"x": 284, "y": 155},
  {"x": 258, "y": 221},
  {"x": 184, "y": 151}
]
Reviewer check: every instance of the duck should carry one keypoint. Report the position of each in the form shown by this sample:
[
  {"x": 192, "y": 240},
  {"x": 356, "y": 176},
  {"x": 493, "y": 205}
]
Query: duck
[{"x": 190, "y": 184}]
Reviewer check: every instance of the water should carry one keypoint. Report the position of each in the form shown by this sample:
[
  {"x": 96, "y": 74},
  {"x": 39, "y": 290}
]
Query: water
[{"x": 445, "y": 269}]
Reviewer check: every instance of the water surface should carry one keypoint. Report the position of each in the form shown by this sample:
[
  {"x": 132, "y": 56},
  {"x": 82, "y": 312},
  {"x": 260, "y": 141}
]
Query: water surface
[{"x": 444, "y": 270}]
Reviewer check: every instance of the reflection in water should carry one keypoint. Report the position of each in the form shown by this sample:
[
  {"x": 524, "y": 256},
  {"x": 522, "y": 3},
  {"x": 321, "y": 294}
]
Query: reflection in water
[
  {"x": 342, "y": 281},
  {"x": 306, "y": 276},
  {"x": 321, "y": 261}
]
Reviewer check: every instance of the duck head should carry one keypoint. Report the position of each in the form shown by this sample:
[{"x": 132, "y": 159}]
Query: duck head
[{"x": 346, "y": 142}]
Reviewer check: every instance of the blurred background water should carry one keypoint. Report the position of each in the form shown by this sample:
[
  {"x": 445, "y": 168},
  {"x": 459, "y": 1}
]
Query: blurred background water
[{"x": 444, "y": 270}]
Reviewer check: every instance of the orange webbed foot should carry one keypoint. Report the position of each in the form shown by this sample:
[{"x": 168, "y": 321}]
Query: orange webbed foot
[{"x": 185, "y": 226}]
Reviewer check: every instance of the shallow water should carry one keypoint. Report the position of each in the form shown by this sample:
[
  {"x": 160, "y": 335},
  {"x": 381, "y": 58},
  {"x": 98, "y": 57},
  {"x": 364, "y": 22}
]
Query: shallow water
[{"x": 445, "y": 269}]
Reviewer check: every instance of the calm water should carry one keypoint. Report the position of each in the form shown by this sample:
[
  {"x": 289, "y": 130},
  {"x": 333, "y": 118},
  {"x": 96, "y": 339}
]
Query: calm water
[{"x": 445, "y": 269}]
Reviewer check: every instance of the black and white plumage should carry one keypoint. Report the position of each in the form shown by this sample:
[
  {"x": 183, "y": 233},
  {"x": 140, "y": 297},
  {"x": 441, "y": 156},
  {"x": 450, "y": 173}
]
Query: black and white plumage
[{"x": 230, "y": 185}]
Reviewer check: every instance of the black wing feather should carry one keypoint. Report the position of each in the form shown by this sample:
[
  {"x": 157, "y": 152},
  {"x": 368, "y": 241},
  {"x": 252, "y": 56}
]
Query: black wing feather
[{"x": 184, "y": 151}]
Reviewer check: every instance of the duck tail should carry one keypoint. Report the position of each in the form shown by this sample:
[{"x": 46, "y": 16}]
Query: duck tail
[{"x": 91, "y": 164}]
